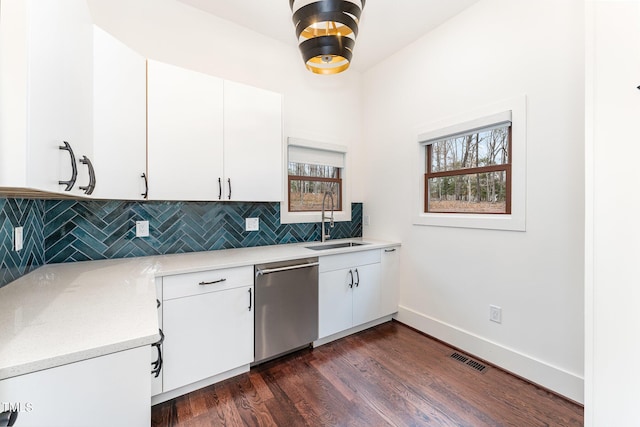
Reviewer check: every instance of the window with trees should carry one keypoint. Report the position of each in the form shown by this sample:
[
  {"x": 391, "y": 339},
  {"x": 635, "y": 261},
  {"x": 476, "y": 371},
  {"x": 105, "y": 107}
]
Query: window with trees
[
  {"x": 314, "y": 169},
  {"x": 309, "y": 182},
  {"x": 470, "y": 171},
  {"x": 471, "y": 168}
]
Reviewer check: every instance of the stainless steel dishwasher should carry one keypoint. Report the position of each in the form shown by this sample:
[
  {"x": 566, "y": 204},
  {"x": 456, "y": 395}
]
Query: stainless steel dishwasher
[{"x": 286, "y": 307}]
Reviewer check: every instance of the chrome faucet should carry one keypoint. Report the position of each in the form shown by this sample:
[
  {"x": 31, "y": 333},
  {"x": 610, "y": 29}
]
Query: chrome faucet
[{"x": 326, "y": 235}]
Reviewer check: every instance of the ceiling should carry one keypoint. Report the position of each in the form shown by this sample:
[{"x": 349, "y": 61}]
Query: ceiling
[{"x": 386, "y": 26}]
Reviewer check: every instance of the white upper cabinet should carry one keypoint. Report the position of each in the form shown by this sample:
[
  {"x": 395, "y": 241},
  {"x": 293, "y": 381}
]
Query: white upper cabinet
[
  {"x": 185, "y": 134},
  {"x": 210, "y": 139},
  {"x": 252, "y": 143},
  {"x": 119, "y": 119},
  {"x": 46, "y": 85}
]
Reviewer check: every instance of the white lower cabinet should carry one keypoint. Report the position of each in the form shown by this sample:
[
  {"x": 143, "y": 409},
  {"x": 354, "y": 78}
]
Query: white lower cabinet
[
  {"x": 366, "y": 294},
  {"x": 207, "y": 323},
  {"x": 349, "y": 291},
  {"x": 157, "y": 349},
  {"x": 104, "y": 391},
  {"x": 389, "y": 272}
]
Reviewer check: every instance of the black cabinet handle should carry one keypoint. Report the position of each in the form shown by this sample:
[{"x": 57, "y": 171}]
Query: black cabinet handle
[
  {"x": 157, "y": 365},
  {"x": 74, "y": 169},
  {"x": 8, "y": 418},
  {"x": 158, "y": 303},
  {"x": 250, "y": 302},
  {"x": 390, "y": 250},
  {"x": 358, "y": 278},
  {"x": 145, "y": 195},
  {"x": 351, "y": 274},
  {"x": 229, "y": 181},
  {"x": 219, "y": 188},
  {"x": 213, "y": 282},
  {"x": 88, "y": 189}
]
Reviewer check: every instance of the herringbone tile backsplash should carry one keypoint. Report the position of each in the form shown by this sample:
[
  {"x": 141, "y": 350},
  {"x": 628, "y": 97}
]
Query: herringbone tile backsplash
[
  {"x": 66, "y": 230},
  {"x": 30, "y": 215}
]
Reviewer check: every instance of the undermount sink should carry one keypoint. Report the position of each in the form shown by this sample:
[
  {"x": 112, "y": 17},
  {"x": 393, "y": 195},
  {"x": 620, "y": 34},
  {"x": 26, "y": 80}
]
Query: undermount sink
[{"x": 323, "y": 247}]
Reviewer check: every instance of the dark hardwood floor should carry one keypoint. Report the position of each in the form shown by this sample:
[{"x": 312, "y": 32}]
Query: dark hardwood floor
[{"x": 387, "y": 375}]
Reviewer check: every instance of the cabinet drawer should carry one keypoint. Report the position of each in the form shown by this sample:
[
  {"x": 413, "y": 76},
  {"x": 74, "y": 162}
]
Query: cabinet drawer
[
  {"x": 337, "y": 262},
  {"x": 184, "y": 285}
]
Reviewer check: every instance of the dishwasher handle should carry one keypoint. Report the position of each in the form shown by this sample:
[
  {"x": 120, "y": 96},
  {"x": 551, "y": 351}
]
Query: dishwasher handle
[{"x": 290, "y": 267}]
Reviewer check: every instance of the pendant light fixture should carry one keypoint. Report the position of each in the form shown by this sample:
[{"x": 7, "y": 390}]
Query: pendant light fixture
[{"x": 326, "y": 31}]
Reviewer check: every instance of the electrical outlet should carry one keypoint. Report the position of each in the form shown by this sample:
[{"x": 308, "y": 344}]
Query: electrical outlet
[
  {"x": 142, "y": 228},
  {"x": 366, "y": 220},
  {"x": 17, "y": 238},
  {"x": 495, "y": 313},
  {"x": 252, "y": 224}
]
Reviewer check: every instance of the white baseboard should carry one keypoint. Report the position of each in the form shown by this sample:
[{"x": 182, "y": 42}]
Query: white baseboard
[
  {"x": 355, "y": 329},
  {"x": 536, "y": 371}
]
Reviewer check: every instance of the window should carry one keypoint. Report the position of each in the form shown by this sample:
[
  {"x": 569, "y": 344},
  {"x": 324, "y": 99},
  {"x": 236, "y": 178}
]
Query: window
[
  {"x": 470, "y": 172},
  {"x": 471, "y": 168},
  {"x": 308, "y": 183},
  {"x": 313, "y": 169}
]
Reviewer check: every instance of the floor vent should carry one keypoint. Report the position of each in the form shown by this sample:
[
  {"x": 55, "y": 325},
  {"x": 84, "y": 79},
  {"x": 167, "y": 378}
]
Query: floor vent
[
  {"x": 469, "y": 362},
  {"x": 459, "y": 357}
]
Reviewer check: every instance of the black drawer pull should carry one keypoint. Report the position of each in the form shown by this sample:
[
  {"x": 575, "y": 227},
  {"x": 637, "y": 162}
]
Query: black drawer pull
[
  {"x": 88, "y": 189},
  {"x": 74, "y": 168},
  {"x": 8, "y": 418},
  {"x": 157, "y": 365},
  {"x": 145, "y": 195},
  {"x": 390, "y": 250},
  {"x": 212, "y": 283}
]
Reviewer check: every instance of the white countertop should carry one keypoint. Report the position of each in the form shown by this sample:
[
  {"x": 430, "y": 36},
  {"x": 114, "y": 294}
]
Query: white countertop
[{"x": 64, "y": 313}]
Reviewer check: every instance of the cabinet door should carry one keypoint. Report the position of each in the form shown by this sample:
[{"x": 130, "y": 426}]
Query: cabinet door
[
  {"x": 185, "y": 134},
  {"x": 156, "y": 381},
  {"x": 335, "y": 302},
  {"x": 252, "y": 143},
  {"x": 206, "y": 335},
  {"x": 60, "y": 90},
  {"x": 366, "y": 294},
  {"x": 102, "y": 391},
  {"x": 389, "y": 270},
  {"x": 46, "y": 85},
  {"x": 119, "y": 114}
]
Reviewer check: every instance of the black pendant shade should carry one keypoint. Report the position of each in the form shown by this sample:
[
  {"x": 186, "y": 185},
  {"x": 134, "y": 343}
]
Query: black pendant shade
[{"x": 326, "y": 31}]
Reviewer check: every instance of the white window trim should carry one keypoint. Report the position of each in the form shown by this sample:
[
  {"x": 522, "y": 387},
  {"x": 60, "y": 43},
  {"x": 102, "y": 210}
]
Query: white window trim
[
  {"x": 516, "y": 221},
  {"x": 287, "y": 217}
]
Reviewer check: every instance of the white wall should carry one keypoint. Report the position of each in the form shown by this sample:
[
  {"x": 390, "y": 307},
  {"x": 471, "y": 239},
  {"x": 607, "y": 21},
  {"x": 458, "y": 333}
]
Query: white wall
[
  {"x": 496, "y": 50},
  {"x": 322, "y": 108},
  {"x": 612, "y": 377}
]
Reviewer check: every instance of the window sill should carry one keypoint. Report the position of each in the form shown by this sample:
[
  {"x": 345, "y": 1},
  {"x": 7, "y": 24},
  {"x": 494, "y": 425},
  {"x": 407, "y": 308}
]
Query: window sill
[{"x": 481, "y": 221}]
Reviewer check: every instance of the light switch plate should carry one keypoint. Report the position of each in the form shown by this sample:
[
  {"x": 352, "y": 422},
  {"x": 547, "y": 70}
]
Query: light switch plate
[
  {"x": 142, "y": 228},
  {"x": 17, "y": 238},
  {"x": 252, "y": 224}
]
